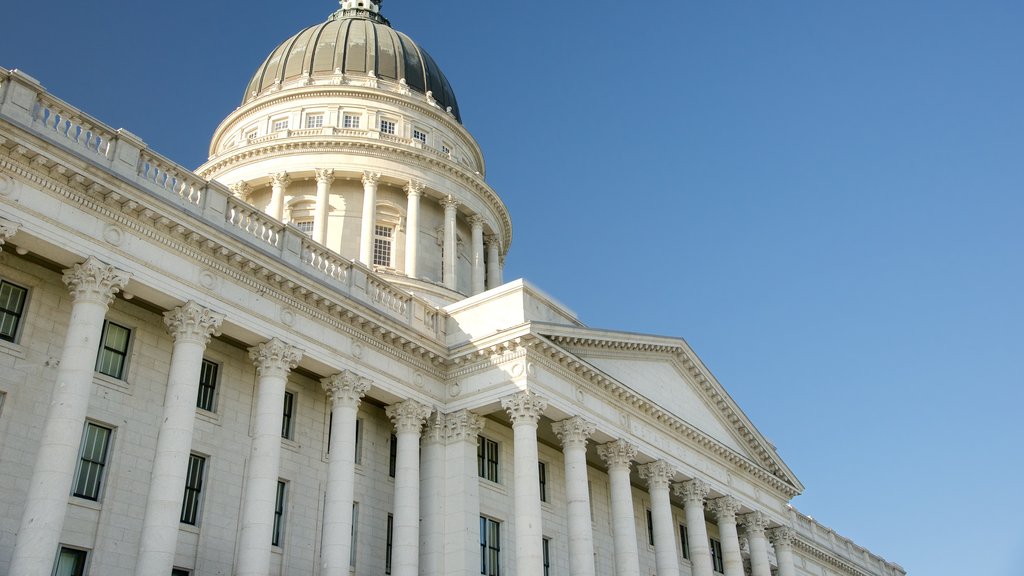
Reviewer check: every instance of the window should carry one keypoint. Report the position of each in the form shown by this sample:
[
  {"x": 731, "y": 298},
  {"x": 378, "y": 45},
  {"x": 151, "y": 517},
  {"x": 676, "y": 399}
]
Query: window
[
  {"x": 390, "y": 543},
  {"x": 12, "y": 305},
  {"x": 305, "y": 226},
  {"x": 113, "y": 350},
  {"x": 446, "y": 149},
  {"x": 420, "y": 135},
  {"x": 393, "y": 455},
  {"x": 387, "y": 126},
  {"x": 92, "y": 461},
  {"x": 487, "y": 458},
  {"x": 251, "y": 134},
  {"x": 382, "y": 236},
  {"x": 650, "y": 528},
  {"x": 684, "y": 539},
  {"x": 279, "y": 514},
  {"x": 546, "y": 552},
  {"x": 716, "y": 556},
  {"x": 359, "y": 441},
  {"x": 279, "y": 124},
  {"x": 193, "y": 490},
  {"x": 490, "y": 547},
  {"x": 70, "y": 562},
  {"x": 355, "y": 534},
  {"x": 352, "y": 121},
  {"x": 180, "y": 572},
  {"x": 207, "y": 386},
  {"x": 542, "y": 472},
  {"x": 286, "y": 417},
  {"x": 315, "y": 121}
]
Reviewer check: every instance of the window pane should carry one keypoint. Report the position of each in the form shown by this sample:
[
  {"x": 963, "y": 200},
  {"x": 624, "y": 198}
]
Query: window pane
[
  {"x": 286, "y": 418},
  {"x": 207, "y": 385},
  {"x": 92, "y": 460},
  {"x": 12, "y": 303},
  {"x": 279, "y": 514},
  {"x": 193, "y": 490},
  {"x": 113, "y": 350},
  {"x": 70, "y": 562}
]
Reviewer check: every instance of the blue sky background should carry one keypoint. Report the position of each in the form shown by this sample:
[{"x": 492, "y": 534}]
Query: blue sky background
[{"x": 826, "y": 199}]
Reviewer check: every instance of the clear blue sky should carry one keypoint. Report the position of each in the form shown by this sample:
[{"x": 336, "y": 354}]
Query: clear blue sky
[{"x": 826, "y": 199}]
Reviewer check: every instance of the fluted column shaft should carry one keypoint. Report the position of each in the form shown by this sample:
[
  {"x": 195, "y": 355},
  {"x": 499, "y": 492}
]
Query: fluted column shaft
[
  {"x": 414, "y": 191},
  {"x": 370, "y": 180},
  {"x": 451, "y": 245},
  {"x": 619, "y": 455},
  {"x": 693, "y": 493},
  {"x": 782, "y": 540},
  {"x": 324, "y": 179},
  {"x": 493, "y": 262},
  {"x": 479, "y": 280},
  {"x": 92, "y": 285},
  {"x": 461, "y": 494},
  {"x": 273, "y": 360},
  {"x": 525, "y": 409},
  {"x": 659, "y": 476},
  {"x": 574, "y": 434},
  {"x": 755, "y": 524},
  {"x": 725, "y": 509},
  {"x": 408, "y": 418},
  {"x": 191, "y": 326},
  {"x": 432, "y": 496},
  {"x": 278, "y": 185},
  {"x": 345, "y": 392}
]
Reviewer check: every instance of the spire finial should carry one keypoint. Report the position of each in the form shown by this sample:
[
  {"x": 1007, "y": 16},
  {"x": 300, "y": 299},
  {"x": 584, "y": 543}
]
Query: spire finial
[{"x": 371, "y": 5}]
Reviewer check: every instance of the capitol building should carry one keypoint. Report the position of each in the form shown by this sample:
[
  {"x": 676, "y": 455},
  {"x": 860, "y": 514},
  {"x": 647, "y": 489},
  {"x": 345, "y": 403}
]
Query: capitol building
[{"x": 302, "y": 358}]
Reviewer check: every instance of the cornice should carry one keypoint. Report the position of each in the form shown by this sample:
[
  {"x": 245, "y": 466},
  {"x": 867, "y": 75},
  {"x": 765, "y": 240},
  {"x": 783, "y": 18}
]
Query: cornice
[{"x": 831, "y": 559}]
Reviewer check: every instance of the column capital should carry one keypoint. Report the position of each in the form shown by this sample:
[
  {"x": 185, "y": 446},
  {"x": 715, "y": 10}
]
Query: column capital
[
  {"x": 658, "y": 474},
  {"x": 346, "y": 388},
  {"x": 370, "y": 178},
  {"x": 193, "y": 323},
  {"x": 7, "y": 229},
  {"x": 240, "y": 189},
  {"x": 408, "y": 416},
  {"x": 94, "y": 281},
  {"x": 692, "y": 491},
  {"x": 414, "y": 188},
  {"x": 281, "y": 179},
  {"x": 324, "y": 175},
  {"x": 755, "y": 522},
  {"x": 274, "y": 357},
  {"x": 724, "y": 508},
  {"x": 476, "y": 221},
  {"x": 449, "y": 202},
  {"x": 573, "y": 432},
  {"x": 781, "y": 536},
  {"x": 462, "y": 425},
  {"x": 617, "y": 453},
  {"x": 524, "y": 407}
]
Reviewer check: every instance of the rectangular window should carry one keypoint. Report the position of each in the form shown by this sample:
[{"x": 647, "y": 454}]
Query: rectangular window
[
  {"x": 352, "y": 121},
  {"x": 487, "y": 458},
  {"x": 306, "y": 226},
  {"x": 387, "y": 126},
  {"x": 193, "y": 490},
  {"x": 280, "y": 124},
  {"x": 12, "y": 305},
  {"x": 420, "y": 135},
  {"x": 382, "y": 245},
  {"x": 279, "y": 514},
  {"x": 92, "y": 461},
  {"x": 251, "y": 134},
  {"x": 315, "y": 121},
  {"x": 70, "y": 562},
  {"x": 113, "y": 350},
  {"x": 359, "y": 441},
  {"x": 286, "y": 417},
  {"x": 650, "y": 528},
  {"x": 207, "y": 386},
  {"x": 445, "y": 149},
  {"x": 542, "y": 473},
  {"x": 392, "y": 455},
  {"x": 716, "y": 556},
  {"x": 355, "y": 534},
  {"x": 180, "y": 572},
  {"x": 684, "y": 539},
  {"x": 490, "y": 547},
  {"x": 390, "y": 543},
  {"x": 546, "y": 552}
]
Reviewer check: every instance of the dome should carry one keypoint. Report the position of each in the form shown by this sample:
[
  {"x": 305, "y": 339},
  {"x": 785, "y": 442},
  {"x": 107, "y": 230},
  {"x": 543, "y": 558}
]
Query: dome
[{"x": 354, "y": 42}]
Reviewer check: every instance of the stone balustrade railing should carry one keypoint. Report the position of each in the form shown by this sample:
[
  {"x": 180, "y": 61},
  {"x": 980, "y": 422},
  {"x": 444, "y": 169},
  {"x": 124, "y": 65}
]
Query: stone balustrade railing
[
  {"x": 827, "y": 539},
  {"x": 26, "y": 104}
]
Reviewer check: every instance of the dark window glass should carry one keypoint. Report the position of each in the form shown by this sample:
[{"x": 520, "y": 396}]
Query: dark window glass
[
  {"x": 392, "y": 455},
  {"x": 684, "y": 538},
  {"x": 286, "y": 417},
  {"x": 542, "y": 473},
  {"x": 12, "y": 305},
  {"x": 113, "y": 350},
  {"x": 92, "y": 461},
  {"x": 490, "y": 547},
  {"x": 193, "y": 490},
  {"x": 70, "y": 562},
  {"x": 650, "y": 528},
  {"x": 279, "y": 514},
  {"x": 716, "y": 556},
  {"x": 387, "y": 550},
  {"x": 487, "y": 458},
  {"x": 546, "y": 550},
  {"x": 207, "y": 386}
]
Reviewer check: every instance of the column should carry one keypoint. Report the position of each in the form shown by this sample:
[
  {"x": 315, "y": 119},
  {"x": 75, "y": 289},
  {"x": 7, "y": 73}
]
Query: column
[
  {"x": 659, "y": 475},
  {"x": 345, "y": 391},
  {"x": 782, "y": 540},
  {"x": 370, "y": 180},
  {"x": 273, "y": 360},
  {"x": 574, "y": 434},
  {"x": 476, "y": 223},
  {"x": 279, "y": 184},
  {"x": 619, "y": 455},
  {"x": 191, "y": 326},
  {"x": 241, "y": 190},
  {"x": 324, "y": 179},
  {"x": 493, "y": 262},
  {"x": 525, "y": 409},
  {"x": 693, "y": 493},
  {"x": 725, "y": 509},
  {"x": 414, "y": 190},
  {"x": 451, "y": 257},
  {"x": 432, "y": 496},
  {"x": 7, "y": 230},
  {"x": 462, "y": 494},
  {"x": 408, "y": 419},
  {"x": 754, "y": 524},
  {"x": 92, "y": 285}
]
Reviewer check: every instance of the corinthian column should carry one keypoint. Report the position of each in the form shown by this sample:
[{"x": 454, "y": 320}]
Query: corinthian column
[
  {"x": 7, "y": 230},
  {"x": 274, "y": 360},
  {"x": 525, "y": 409},
  {"x": 755, "y": 523},
  {"x": 782, "y": 540},
  {"x": 493, "y": 262},
  {"x": 408, "y": 419},
  {"x": 191, "y": 326},
  {"x": 279, "y": 183},
  {"x": 370, "y": 180},
  {"x": 462, "y": 494},
  {"x": 725, "y": 509},
  {"x": 414, "y": 190},
  {"x": 324, "y": 178},
  {"x": 574, "y": 434},
  {"x": 693, "y": 493},
  {"x": 659, "y": 475},
  {"x": 451, "y": 257},
  {"x": 477, "y": 226},
  {"x": 619, "y": 455},
  {"x": 345, "y": 391},
  {"x": 92, "y": 285}
]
